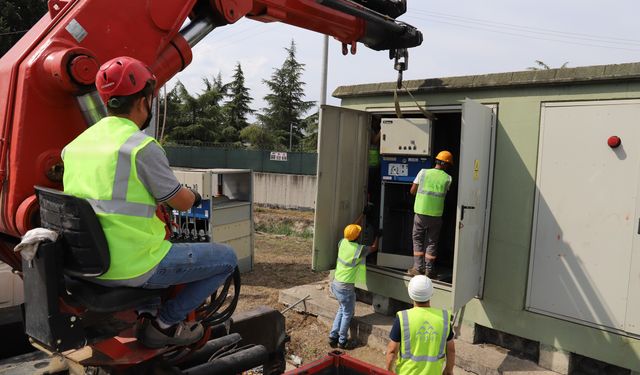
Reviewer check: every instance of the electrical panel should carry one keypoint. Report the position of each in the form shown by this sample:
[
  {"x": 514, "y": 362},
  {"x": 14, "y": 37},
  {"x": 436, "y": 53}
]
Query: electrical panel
[
  {"x": 225, "y": 214},
  {"x": 402, "y": 168},
  {"x": 405, "y": 136}
]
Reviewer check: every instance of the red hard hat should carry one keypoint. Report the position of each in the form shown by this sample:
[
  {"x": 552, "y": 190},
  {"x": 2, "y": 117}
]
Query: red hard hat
[{"x": 122, "y": 76}]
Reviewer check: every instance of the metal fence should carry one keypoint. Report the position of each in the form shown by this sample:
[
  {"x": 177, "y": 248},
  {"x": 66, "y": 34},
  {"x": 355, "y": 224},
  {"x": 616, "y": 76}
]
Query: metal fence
[{"x": 259, "y": 161}]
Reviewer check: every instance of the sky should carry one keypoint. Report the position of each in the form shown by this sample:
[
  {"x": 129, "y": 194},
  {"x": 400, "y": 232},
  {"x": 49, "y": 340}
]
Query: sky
[{"x": 462, "y": 37}]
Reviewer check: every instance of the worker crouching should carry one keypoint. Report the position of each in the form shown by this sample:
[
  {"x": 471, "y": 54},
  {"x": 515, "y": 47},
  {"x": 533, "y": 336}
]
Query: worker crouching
[
  {"x": 350, "y": 268},
  {"x": 421, "y": 338}
]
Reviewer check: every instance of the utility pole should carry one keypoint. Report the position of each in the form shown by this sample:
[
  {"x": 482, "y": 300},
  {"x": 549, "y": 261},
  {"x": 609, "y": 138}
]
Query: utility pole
[
  {"x": 290, "y": 135},
  {"x": 325, "y": 68}
]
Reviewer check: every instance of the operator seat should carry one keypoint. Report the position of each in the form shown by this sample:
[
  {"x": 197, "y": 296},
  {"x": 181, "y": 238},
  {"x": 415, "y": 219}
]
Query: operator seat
[
  {"x": 60, "y": 271},
  {"x": 86, "y": 253}
]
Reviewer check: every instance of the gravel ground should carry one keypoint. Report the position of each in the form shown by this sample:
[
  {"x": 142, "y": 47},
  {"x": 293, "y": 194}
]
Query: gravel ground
[{"x": 282, "y": 262}]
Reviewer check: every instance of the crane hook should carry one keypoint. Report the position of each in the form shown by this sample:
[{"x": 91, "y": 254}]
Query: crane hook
[{"x": 401, "y": 62}]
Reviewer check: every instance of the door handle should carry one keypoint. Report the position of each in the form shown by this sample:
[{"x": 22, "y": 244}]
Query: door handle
[{"x": 465, "y": 208}]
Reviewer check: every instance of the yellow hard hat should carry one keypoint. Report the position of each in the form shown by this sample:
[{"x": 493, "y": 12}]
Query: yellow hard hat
[
  {"x": 352, "y": 231},
  {"x": 445, "y": 156}
]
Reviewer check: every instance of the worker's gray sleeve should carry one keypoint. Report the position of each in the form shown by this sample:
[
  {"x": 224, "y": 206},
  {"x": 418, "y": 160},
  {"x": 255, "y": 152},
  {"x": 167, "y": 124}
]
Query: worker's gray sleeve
[{"x": 155, "y": 174}]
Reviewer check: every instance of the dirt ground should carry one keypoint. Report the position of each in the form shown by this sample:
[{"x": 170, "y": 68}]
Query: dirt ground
[{"x": 284, "y": 261}]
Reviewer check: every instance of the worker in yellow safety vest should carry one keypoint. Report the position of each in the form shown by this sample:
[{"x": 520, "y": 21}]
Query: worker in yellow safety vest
[
  {"x": 430, "y": 188},
  {"x": 421, "y": 338},
  {"x": 374, "y": 183},
  {"x": 350, "y": 269},
  {"x": 124, "y": 173}
]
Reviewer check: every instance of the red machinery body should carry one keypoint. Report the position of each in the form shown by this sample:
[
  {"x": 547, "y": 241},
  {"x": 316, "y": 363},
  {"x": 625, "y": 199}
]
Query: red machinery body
[
  {"x": 337, "y": 362},
  {"x": 47, "y": 93},
  {"x": 48, "y": 97}
]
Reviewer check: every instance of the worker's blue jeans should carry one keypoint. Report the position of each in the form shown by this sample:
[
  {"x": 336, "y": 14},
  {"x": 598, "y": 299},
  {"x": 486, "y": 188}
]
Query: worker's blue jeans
[
  {"x": 201, "y": 267},
  {"x": 347, "y": 299}
]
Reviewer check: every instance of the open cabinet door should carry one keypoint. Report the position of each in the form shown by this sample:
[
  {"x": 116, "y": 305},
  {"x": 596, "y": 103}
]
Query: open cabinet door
[
  {"x": 343, "y": 144},
  {"x": 473, "y": 193}
]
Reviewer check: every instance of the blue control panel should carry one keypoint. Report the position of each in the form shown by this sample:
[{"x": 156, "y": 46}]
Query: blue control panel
[{"x": 403, "y": 168}]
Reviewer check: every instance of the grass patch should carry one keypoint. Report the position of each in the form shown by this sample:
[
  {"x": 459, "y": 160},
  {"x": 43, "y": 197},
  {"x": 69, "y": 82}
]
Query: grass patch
[{"x": 284, "y": 228}]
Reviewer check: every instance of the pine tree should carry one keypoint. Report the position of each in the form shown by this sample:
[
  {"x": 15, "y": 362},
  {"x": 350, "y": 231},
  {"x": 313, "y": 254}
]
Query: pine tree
[
  {"x": 195, "y": 120},
  {"x": 286, "y": 104},
  {"x": 210, "y": 113},
  {"x": 17, "y": 16},
  {"x": 237, "y": 108},
  {"x": 310, "y": 141}
]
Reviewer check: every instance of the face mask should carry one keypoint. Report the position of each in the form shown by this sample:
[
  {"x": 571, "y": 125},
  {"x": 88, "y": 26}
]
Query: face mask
[{"x": 147, "y": 122}]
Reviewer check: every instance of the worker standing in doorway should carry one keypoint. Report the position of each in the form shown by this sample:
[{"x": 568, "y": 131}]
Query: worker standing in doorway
[
  {"x": 430, "y": 188},
  {"x": 350, "y": 268},
  {"x": 124, "y": 174},
  {"x": 422, "y": 335},
  {"x": 373, "y": 181}
]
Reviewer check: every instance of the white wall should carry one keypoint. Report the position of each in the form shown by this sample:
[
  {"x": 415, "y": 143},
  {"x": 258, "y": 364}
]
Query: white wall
[{"x": 284, "y": 190}]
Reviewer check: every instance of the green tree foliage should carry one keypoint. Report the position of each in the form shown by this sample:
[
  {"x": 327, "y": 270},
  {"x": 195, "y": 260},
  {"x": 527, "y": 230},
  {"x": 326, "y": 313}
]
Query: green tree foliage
[
  {"x": 310, "y": 141},
  {"x": 17, "y": 16},
  {"x": 285, "y": 104},
  {"x": 195, "y": 120},
  {"x": 237, "y": 108},
  {"x": 261, "y": 138}
]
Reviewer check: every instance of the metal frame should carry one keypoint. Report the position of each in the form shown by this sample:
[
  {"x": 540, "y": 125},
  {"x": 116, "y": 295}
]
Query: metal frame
[{"x": 454, "y": 108}]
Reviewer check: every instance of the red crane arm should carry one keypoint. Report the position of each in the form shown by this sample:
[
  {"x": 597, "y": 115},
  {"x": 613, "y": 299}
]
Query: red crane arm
[{"x": 47, "y": 92}]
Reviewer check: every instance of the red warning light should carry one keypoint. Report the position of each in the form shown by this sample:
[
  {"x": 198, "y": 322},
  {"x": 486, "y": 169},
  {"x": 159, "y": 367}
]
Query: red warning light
[{"x": 614, "y": 141}]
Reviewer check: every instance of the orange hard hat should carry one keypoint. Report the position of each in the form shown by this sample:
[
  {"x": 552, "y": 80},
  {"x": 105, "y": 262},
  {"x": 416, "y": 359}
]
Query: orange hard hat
[
  {"x": 352, "y": 231},
  {"x": 445, "y": 156}
]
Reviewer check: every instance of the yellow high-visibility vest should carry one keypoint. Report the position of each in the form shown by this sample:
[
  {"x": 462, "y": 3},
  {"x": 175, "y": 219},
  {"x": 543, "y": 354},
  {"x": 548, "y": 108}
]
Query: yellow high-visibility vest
[
  {"x": 100, "y": 166},
  {"x": 350, "y": 265},
  {"x": 431, "y": 192},
  {"x": 423, "y": 340}
]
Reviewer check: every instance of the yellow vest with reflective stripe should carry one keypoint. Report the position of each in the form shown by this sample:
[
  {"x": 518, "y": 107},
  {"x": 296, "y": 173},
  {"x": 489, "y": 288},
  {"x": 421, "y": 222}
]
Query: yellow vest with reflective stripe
[
  {"x": 350, "y": 265},
  {"x": 100, "y": 166},
  {"x": 374, "y": 156},
  {"x": 431, "y": 192},
  {"x": 423, "y": 341}
]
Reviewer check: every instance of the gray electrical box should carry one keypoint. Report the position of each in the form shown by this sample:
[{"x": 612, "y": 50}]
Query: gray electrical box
[
  {"x": 405, "y": 136},
  {"x": 226, "y": 214}
]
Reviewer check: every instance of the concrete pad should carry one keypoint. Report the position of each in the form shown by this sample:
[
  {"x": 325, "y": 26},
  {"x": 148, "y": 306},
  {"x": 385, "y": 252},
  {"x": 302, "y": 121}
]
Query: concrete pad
[
  {"x": 554, "y": 359},
  {"x": 373, "y": 330}
]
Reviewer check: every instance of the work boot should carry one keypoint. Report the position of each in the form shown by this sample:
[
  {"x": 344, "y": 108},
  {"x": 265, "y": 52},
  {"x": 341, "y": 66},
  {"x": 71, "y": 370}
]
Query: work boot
[
  {"x": 431, "y": 270},
  {"x": 180, "y": 334},
  {"x": 414, "y": 272},
  {"x": 333, "y": 342},
  {"x": 348, "y": 345}
]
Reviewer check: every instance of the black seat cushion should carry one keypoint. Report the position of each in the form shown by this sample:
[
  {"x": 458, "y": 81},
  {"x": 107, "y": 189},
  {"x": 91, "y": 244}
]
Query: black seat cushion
[{"x": 107, "y": 299}]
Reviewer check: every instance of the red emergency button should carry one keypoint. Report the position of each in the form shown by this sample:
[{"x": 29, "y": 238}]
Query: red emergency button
[{"x": 614, "y": 141}]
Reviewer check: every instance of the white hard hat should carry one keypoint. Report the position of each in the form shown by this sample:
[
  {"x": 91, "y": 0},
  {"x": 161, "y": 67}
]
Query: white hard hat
[{"x": 420, "y": 288}]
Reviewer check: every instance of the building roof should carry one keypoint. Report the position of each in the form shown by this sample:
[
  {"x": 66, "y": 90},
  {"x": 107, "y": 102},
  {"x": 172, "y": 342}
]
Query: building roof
[{"x": 580, "y": 75}]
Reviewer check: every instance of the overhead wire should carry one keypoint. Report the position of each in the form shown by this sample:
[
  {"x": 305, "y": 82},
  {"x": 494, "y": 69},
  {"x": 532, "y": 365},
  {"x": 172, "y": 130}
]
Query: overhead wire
[
  {"x": 498, "y": 30},
  {"x": 531, "y": 29}
]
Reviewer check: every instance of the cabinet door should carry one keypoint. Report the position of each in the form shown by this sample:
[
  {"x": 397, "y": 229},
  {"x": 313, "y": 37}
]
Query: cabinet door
[
  {"x": 476, "y": 142},
  {"x": 586, "y": 223},
  {"x": 343, "y": 144}
]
